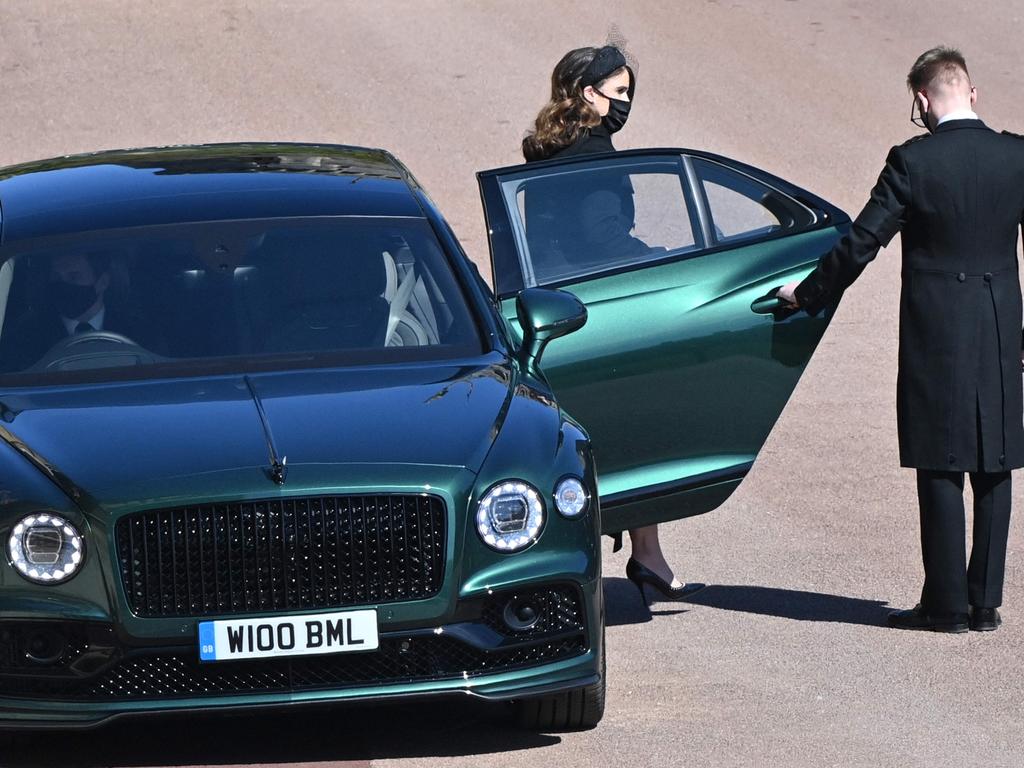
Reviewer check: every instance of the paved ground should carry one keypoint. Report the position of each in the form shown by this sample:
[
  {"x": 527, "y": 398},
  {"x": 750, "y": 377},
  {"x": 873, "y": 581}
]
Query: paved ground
[{"x": 783, "y": 662}]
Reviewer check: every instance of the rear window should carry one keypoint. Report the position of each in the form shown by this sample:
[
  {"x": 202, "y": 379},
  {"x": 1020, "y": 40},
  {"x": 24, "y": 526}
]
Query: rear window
[
  {"x": 212, "y": 297},
  {"x": 743, "y": 208}
]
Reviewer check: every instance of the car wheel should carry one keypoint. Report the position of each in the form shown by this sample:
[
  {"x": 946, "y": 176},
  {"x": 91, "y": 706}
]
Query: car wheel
[{"x": 577, "y": 710}]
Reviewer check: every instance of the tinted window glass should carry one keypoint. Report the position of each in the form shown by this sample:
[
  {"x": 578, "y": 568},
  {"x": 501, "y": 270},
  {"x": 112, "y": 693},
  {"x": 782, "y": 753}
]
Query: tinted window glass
[
  {"x": 743, "y": 208},
  {"x": 580, "y": 220},
  {"x": 225, "y": 295}
]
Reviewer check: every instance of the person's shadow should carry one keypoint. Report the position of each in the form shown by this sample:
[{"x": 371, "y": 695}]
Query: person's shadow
[{"x": 623, "y": 606}]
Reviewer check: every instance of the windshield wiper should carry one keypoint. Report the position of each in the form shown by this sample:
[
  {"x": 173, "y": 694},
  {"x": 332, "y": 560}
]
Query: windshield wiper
[{"x": 278, "y": 470}]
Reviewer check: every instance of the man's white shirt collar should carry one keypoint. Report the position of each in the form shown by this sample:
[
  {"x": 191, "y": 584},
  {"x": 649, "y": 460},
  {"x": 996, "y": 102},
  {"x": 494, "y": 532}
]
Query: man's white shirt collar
[
  {"x": 959, "y": 114},
  {"x": 96, "y": 321}
]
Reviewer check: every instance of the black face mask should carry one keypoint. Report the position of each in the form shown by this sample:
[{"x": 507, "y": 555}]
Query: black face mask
[
  {"x": 72, "y": 300},
  {"x": 618, "y": 113},
  {"x": 919, "y": 117},
  {"x": 926, "y": 119}
]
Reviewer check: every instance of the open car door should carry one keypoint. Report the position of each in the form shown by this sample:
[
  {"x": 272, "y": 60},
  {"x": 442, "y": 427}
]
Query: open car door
[{"x": 675, "y": 377}]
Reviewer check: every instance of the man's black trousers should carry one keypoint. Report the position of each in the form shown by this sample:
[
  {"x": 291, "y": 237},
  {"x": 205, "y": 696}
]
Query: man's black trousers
[{"x": 951, "y": 583}]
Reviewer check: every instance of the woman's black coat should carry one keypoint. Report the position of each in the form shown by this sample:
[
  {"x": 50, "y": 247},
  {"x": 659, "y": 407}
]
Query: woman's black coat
[{"x": 596, "y": 139}]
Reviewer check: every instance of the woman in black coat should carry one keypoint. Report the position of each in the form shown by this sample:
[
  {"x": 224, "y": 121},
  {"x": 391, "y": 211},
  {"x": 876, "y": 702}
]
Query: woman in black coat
[{"x": 591, "y": 95}]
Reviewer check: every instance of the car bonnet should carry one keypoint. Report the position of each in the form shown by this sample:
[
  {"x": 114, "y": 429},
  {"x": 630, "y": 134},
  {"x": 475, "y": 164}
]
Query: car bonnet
[{"x": 143, "y": 443}]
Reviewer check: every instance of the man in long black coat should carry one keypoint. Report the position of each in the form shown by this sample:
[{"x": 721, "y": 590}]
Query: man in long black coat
[{"x": 957, "y": 196}]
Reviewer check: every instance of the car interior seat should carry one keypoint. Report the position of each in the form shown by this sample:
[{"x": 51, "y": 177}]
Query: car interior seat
[{"x": 329, "y": 295}]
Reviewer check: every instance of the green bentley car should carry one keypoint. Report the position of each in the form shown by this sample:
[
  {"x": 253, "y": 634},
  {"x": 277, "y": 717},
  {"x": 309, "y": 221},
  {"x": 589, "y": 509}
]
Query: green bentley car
[{"x": 268, "y": 438}]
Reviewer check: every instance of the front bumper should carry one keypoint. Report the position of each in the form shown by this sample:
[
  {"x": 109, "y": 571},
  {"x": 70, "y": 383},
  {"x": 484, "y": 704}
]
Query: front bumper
[{"x": 99, "y": 678}]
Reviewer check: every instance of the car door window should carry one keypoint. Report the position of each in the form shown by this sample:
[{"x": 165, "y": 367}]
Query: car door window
[
  {"x": 597, "y": 216},
  {"x": 742, "y": 208}
]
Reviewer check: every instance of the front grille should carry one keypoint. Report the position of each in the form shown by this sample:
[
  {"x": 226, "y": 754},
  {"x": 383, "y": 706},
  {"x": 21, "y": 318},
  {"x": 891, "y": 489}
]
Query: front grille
[
  {"x": 282, "y": 554},
  {"x": 398, "y": 660}
]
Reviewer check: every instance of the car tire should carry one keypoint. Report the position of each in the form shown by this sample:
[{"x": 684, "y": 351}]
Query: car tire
[{"x": 579, "y": 709}]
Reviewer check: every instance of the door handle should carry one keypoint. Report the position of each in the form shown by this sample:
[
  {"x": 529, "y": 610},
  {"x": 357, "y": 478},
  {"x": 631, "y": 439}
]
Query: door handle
[
  {"x": 767, "y": 304},
  {"x": 771, "y": 304}
]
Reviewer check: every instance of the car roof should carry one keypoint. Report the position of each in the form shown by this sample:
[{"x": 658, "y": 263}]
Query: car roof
[{"x": 209, "y": 182}]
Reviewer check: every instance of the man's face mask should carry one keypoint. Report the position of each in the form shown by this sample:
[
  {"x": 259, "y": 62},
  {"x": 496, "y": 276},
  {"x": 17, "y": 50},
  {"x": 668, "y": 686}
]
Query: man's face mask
[
  {"x": 72, "y": 300},
  {"x": 618, "y": 113},
  {"x": 918, "y": 117}
]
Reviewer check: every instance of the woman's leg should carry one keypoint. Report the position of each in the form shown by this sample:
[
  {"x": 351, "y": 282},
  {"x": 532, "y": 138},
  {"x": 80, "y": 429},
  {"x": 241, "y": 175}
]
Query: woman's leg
[{"x": 647, "y": 551}]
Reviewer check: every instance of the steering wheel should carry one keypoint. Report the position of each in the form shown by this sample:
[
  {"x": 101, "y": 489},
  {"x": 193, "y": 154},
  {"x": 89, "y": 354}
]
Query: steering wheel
[{"x": 93, "y": 349}]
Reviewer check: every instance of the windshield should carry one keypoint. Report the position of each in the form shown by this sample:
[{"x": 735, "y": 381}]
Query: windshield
[{"x": 201, "y": 298}]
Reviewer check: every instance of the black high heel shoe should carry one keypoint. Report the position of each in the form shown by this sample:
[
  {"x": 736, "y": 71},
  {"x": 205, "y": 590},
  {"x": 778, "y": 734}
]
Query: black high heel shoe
[{"x": 640, "y": 574}]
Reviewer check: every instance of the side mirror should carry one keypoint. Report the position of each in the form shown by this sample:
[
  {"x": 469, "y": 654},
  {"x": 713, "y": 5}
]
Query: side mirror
[{"x": 545, "y": 314}]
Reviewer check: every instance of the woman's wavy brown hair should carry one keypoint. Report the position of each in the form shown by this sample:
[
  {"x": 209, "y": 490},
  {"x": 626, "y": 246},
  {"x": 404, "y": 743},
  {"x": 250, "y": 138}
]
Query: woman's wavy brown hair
[{"x": 567, "y": 114}]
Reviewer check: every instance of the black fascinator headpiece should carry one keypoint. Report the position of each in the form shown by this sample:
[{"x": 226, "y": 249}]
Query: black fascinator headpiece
[
  {"x": 611, "y": 57},
  {"x": 608, "y": 59}
]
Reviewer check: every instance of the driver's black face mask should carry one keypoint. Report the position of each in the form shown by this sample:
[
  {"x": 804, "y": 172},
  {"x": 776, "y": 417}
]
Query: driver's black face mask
[{"x": 71, "y": 300}]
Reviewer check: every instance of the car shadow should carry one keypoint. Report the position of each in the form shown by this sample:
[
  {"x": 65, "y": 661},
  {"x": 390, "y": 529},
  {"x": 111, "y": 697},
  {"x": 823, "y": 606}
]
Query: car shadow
[
  {"x": 359, "y": 733},
  {"x": 351, "y": 734},
  {"x": 623, "y": 606}
]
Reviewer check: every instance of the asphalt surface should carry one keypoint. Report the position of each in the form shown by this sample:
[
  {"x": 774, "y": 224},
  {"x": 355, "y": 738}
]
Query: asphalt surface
[{"x": 784, "y": 661}]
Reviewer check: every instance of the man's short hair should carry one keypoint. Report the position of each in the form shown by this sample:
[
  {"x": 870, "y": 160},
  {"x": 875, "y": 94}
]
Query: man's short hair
[{"x": 942, "y": 64}]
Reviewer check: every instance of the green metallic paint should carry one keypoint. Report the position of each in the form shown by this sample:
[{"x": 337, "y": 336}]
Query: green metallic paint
[
  {"x": 677, "y": 382},
  {"x": 545, "y": 315},
  {"x": 675, "y": 376},
  {"x": 451, "y": 428},
  {"x": 526, "y": 436}
]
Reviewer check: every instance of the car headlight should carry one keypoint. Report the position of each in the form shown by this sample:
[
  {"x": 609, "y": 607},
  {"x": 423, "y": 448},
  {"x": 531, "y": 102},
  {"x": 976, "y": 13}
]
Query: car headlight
[
  {"x": 510, "y": 516},
  {"x": 46, "y": 548},
  {"x": 571, "y": 497}
]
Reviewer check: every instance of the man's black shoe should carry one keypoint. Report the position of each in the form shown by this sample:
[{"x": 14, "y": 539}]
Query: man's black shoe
[
  {"x": 917, "y": 618},
  {"x": 985, "y": 619}
]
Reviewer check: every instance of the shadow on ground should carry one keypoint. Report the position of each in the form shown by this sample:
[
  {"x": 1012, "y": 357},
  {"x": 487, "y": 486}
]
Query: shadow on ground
[
  {"x": 794, "y": 604},
  {"x": 624, "y": 607},
  {"x": 442, "y": 727},
  {"x": 359, "y": 733},
  {"x": 315, "y": 734}
]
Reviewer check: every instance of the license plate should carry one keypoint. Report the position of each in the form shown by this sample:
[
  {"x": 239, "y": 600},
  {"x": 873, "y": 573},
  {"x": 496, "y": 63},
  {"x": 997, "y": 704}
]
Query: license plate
[{"x": 230, "y": 640}]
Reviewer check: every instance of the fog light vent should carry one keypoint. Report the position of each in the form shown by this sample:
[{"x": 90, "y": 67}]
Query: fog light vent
[
  {"x": 521, "y": 615},
  {"x": 45, "y": 647}
]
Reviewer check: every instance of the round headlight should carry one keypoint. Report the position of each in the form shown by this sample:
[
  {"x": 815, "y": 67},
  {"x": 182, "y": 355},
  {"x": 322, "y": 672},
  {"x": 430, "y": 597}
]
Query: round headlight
[
  {"x": 571, "y": 497},
  {"x": 510, "y": 516},
  {"x": 46, "y": 548}
]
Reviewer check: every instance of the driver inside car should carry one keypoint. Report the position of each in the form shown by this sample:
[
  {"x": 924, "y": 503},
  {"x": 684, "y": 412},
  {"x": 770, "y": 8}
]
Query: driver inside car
[{"x": 73, "y": 302}]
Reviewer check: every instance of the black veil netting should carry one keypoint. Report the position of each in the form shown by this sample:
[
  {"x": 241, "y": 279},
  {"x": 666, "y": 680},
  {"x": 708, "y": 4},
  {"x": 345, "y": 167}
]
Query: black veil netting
[{"x": 610, "y": 57}]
